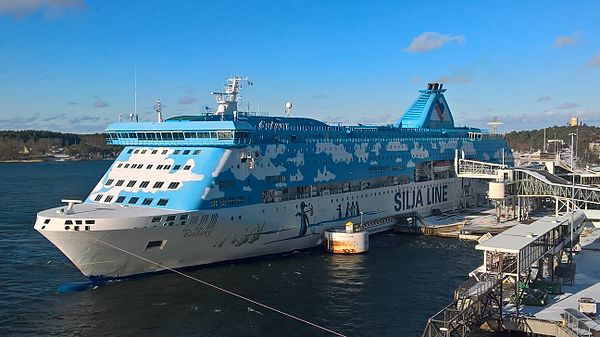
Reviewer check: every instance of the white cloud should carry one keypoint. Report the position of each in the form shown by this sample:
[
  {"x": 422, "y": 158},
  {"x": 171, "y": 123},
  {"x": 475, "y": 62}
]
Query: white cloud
[
  {"x": 432, "y": 40},
  {"x": 566, "y": 41},
  {"x": 100, "y": 104},
  {"x": 544, "y": 99},
  {"x": 567, "y": 105},
  {"x": 595, "y": 62},
  {"x": 49, "y": 8}
]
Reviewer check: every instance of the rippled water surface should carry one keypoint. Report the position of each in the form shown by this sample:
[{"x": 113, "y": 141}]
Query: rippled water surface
[{"x": 390, "y": 291}]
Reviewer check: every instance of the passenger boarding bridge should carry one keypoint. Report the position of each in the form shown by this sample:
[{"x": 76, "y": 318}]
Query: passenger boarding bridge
[{"x": 529, "y": 187}]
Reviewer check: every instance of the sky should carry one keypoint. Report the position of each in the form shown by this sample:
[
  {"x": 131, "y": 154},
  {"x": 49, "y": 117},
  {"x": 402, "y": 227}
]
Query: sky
[{"x": 68, "y": 65}]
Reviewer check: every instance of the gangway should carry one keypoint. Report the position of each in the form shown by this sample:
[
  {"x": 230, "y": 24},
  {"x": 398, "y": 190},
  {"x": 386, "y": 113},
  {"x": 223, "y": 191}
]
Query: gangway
[
  {"x": 531, "y": 183},
  {"x": 510, "y": 255}
]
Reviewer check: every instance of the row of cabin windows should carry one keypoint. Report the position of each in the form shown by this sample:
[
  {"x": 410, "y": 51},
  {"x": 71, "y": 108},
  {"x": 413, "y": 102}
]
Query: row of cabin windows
[
  {"x": 163, "y": 152},
  {"x": 132, "y": 200},
  {"x": 218, "y": 135},
  {"x": 150, "y": 166},
  {"x": 143, "y": 184}
]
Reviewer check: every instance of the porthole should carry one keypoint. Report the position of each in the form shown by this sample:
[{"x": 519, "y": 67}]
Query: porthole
[
  {"x": 67, "y": 228},
  {"x": 43, "y": 227}
]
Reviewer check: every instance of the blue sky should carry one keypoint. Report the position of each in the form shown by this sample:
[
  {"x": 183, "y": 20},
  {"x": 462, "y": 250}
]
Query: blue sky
[{"x": 68, "y": 65}]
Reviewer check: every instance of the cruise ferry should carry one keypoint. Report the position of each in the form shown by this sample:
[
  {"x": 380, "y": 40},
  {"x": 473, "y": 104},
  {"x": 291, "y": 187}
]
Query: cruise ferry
[{"x": 231, "y": 184}]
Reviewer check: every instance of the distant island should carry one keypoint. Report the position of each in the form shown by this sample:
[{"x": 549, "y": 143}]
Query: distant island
[{"x": 40, "y": 146}]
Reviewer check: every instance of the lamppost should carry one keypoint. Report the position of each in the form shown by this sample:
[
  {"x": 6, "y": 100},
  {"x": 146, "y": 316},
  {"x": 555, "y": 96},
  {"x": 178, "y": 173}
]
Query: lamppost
[
  {"x": 361, "y": 220},
  {"x": 572, "y": 190}
]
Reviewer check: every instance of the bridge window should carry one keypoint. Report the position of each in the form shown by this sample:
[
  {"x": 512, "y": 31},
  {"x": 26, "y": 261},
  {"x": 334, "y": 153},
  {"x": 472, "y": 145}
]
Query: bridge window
[
  {"x": 151, "y": 136},
  {"x": 196, "y": 152},
  {"x": 166, "y": 135},
  {"x": 178, "y": 135},
  {"x": 203, "y": 134},
  {"x": 189, "y": 134},
  {"x": 186, "y": 152},
  {"x": 176, "y": 152},
  {"x": 141, "y": 136},
  {"x": 225, "y": 135}
]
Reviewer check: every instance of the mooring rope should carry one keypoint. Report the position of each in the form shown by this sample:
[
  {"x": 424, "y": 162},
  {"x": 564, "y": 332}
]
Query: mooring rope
[{"x": 222, "y": 289}]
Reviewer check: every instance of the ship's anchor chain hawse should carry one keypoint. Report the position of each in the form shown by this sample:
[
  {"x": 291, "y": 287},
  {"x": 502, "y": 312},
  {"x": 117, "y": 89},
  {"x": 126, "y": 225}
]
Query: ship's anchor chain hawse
[{"x": 229, "y": 292}]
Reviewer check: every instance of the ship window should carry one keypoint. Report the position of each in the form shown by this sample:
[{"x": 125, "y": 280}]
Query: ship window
[
  {"x": 136, "y": 151},
  {"x": 190, "y": 135},
  {"x": 156, "y": 219},
  {"x": 68, "y": 222},
  {"x": 147, "y": 201},
  {"x": 158, "y": 184},
  {"x": 173, "y": 186},
  {"x": 130, "y": 150},
  {"x": 162, "y": 202},
  {"x": 108, "y": 198},
  {"x": 225, "y": 135},
  {"x": 157, "y": 135},
  {"x": 120, "y": 182},
  {"x": 144, "y": 184},
  {"x": 196, "y": 152},
  {"x": 186, "y": 152},
  {"x": 176, "y": 167},
  {"x": 183, "y": 217},
  {"x": 132, "y": 135},
  {"x": 141, "y": 136},
  {"x": 87, "y": 228},
  {"x": 120, "y": 164},
  {"x": 152, "y": 244},
  {"x": 153, "y": 151},
  {"x": 150, "y": 136},
  {"x": 159, "y": 167},
  {"x": 167, "y": 167},
  {"x": 131, "y": 183},
  {"x": 166, "y": 135},
  {"x": 78, "y": 222},
  {"x": 203, "y": 134},
  {"x": 133, "y": 200},
  {"x": 176, "y": 152},
  {"x": 143, "y": 151},
  {"x": 178, "y": 135},
  {"x": 108, "y": 182},
  {"x": 149, "y": 167},
  {"x": 126, "y": 165},
  {"x": 47, "y": 221},
  {"x": 164, "y": 152},
  {"x": 187, "y": 167},
  {"x": 170, "y": 217},
  {"x": 90, "y": 222},
  {"x": 98, "y": 197},
  {"x": 120, "y": 199}
]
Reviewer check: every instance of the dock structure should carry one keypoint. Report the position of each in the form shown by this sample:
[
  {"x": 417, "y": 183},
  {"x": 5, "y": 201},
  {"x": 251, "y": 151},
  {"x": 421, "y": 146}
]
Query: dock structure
[
  {"x": 512, "y": 261},
  {"x": 521, "y": 188}
]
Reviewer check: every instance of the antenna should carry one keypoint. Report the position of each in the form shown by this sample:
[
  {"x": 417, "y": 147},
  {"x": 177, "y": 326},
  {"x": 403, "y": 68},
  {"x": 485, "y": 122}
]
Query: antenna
[
  {"x": 135, "y": 91},
  {"x": 288, "y": 109},
  {"x": 494, "y": 124},
  {"x": 158, "y": 112}
]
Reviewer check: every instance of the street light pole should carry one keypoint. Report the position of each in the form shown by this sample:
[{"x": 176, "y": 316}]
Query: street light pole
[{"x": 572, "y": 190}]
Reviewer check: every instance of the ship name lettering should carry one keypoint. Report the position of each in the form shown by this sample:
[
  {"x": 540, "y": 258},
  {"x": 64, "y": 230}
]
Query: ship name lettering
[{"x": 406, "y": 200}]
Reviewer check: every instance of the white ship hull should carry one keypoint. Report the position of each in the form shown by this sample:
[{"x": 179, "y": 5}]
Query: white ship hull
[{"x": 115, "y": 247}]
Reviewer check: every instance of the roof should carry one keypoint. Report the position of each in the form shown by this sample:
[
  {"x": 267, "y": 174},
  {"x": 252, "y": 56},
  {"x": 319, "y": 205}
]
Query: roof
[{"x": 520, "y": 236}]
